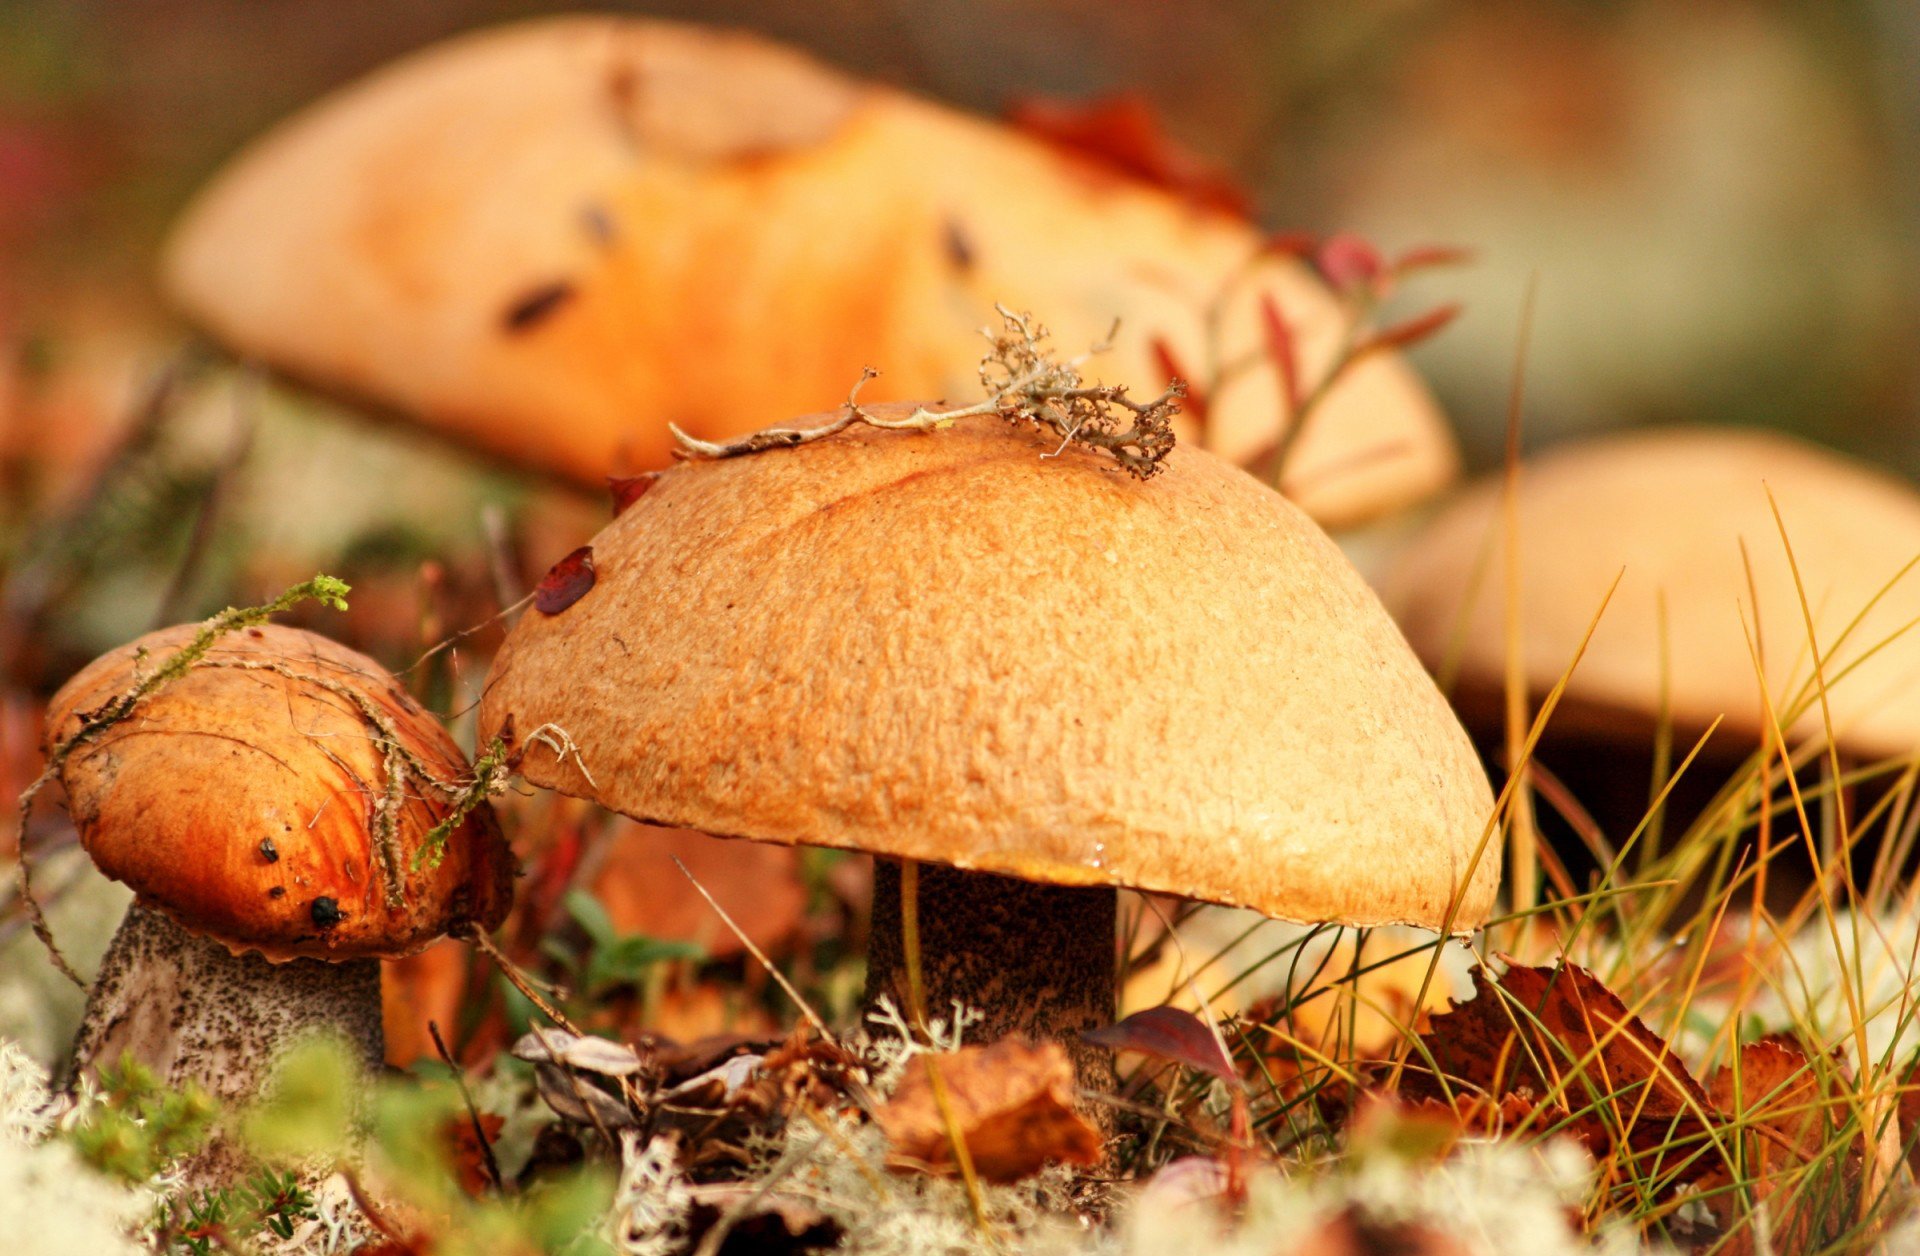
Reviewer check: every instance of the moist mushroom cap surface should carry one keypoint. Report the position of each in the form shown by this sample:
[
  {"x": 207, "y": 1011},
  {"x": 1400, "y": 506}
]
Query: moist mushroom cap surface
[
  {"x": 241, "y": 801},
  {"x": 1672, "y": 510},
  {"x": 972, "y": 647},
  {"x": 552, "y": 238}
]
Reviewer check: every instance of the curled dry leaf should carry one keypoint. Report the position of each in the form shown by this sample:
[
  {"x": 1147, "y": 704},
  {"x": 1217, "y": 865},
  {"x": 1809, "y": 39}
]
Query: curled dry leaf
[
  {"x": 1558, "y": 1038},
  {"x": 1012, "y": 1102},
  {"x": 1169, "y": 1033},
  {"x": 594, "y": 1055},
  {"x": 566, "y": 582},
  {"x": 1788, "y": 1113}
]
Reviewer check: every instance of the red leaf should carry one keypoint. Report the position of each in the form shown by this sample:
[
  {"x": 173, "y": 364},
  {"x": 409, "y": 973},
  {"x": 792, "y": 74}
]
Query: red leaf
[
  {"x": 1429, "y": 256},
  {"x": 628, "y": 489},
  {"x": 566, "y": 582},
  {"x": 1557, "y": 1036},
  {"x": 1195, "y": 402},
  {"x": 1280, "y": 348},
  {"x": 1122, "y": 133},
  {"x": 1412, "y": 331},
  {"x": 1168, "y": 1033},
  {"x": 1350, "y": 264}
]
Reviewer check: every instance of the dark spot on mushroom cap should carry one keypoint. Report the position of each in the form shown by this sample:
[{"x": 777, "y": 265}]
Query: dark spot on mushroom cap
[
  {"x": 255, "y": 632},
  {"x": 959, "y": 245},
  {"x": 268, "y": 851},
  {"x": 566, "y": 583},
  {"x": 536, "y": 306},
  {"x": 326, "y": 912},
  {"x": 278, "y": 891}
]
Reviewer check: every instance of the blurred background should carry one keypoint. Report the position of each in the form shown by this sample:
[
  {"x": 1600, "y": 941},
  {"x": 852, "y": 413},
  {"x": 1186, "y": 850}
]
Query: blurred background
[{"x": 1719, "y": 200}]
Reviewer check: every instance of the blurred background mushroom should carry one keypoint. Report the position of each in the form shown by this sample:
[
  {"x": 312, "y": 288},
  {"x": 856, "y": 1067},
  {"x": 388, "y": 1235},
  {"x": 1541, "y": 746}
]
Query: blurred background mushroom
[{"x": 1707, "y": 623}]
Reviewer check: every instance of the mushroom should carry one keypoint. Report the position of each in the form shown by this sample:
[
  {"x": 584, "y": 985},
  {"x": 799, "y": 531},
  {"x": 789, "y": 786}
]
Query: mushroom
[
  {"x": 551, "y": 238},
  {"x": 268, "y": 808},
  {"x": 1008, "y": 660},
  {"x": 1675, "y": 510}
]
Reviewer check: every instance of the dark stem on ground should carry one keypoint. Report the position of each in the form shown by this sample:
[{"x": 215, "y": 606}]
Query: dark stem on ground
[
  {"x": 1037, "y": 961},
  {"x": 192, "y": 1011}
]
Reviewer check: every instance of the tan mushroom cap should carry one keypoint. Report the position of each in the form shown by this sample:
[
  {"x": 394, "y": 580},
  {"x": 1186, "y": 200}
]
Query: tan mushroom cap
[
  {"x": 180, "y": 800},
  {"x": 552, "y": 238},
  {"x": 955, "y": 647},
  {"x": 1673, "y": 508}
]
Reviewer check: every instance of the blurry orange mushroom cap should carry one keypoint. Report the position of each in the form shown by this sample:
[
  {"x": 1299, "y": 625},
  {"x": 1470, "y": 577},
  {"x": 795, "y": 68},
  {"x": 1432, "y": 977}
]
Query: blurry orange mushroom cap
[
  {"x": 253, "y": 799},
  {"x": 1682, "y": 516},
  {"x": 969, "y": 648},
  {"x": 553, "y": 238}
]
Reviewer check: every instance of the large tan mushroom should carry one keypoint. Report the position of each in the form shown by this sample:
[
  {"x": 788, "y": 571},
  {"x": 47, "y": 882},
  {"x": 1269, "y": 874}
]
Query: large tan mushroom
[
  {"x": 1674, "y": 510},
  {"x": 269, "y": 809},
  {"x": 1038, "y": 675},
  {"x": 553, "y": 238}
]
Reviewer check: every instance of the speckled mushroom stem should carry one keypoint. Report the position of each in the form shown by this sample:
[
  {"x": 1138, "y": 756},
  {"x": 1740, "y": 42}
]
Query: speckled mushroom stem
[
  {"x": 193, "y": 1011},
  {"x": 1035, "y": 960}
]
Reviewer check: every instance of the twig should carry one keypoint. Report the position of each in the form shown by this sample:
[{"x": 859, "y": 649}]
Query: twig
[
  {"x": 1023, "y": 383},
  {"x": 779, "y": 977},
  {"x": 517, "y": 979},
  {"x": 473, "y": 1112}
]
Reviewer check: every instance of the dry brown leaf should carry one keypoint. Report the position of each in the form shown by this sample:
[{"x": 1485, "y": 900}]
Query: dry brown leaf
[
  {"x": 1558, "y": 1036},
  {"x": 1791, "y": 1112},
  {"x": 1012, "y": 1102}
]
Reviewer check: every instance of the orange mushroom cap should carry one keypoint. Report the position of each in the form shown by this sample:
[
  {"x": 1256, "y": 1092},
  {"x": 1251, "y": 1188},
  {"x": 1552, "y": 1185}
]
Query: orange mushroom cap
[{"x": 275, "y": 797}]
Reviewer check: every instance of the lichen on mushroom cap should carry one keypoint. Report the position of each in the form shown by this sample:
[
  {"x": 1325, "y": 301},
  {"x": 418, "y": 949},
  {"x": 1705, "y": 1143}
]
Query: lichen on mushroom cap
[
  {"x": 1682, "y": 517},
  {"x": 266, "y": 807},
  {"x": 1010, "y": 660},
  {"x": 522, "y": 235}
]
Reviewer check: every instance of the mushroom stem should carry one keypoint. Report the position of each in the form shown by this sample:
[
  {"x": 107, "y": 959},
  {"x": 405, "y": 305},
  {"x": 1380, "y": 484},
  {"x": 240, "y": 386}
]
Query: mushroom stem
[
  {"x": 1035, "y": 961},
  {"x": 193, "y": 1011}
]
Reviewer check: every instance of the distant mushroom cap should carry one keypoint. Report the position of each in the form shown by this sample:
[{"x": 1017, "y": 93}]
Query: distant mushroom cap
[
  {"x": 242, "y": 801},
  {"x": 552, "y": 238},
  {"x": 1673, "y": 509},
  {"x": 963, "y": 647}
]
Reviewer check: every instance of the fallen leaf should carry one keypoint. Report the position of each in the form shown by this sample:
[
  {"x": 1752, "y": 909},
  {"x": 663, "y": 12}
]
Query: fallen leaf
[
  {"x": 1123, "y": 133},
  {"x": 1559, "y": 1038},
  {"x": 1168, "y": 1033},
  {"x": 1012, "y": 1103},
  {"x": 566, "y": 582},
  {"x": 1785, "y": 1111}
]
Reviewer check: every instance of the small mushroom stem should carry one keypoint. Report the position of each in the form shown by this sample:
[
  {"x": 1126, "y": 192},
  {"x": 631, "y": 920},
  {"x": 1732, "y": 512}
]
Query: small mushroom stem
[
  {"x": 192, "y": 1011},
  {"x": 1035, "y": 961}
]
